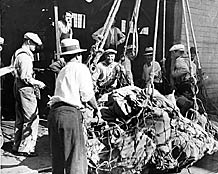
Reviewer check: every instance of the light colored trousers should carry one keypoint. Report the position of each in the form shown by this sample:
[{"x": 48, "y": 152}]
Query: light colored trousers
[{"x": 27, "y": 119}]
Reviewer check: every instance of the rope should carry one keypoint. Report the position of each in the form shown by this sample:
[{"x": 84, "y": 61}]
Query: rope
[
  {"x": 189, "y": 54},
  {"x": 155, "y": 45},
  {"x": 111, "y": 20},
  {"x": 193, "y": 34},
  {"x": 199, "y": 67},
  {"x": 187, "y": 36},
  {"x": 133, "y": 24},
  {"x": 99, "y": 45},
  {"x": 164, "y": 35},
  {"x": 178, "y": 141}
]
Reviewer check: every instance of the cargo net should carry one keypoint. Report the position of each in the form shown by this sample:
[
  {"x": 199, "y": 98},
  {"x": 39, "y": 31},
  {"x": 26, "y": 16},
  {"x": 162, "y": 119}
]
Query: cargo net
[{"x": 141, "y": 132}]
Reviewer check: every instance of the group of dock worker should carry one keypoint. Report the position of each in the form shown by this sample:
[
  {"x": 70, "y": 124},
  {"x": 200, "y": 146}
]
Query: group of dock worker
[{"x": 76, "y": 87}]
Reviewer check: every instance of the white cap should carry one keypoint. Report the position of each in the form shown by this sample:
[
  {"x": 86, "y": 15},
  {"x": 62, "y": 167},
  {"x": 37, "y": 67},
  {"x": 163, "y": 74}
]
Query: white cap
[
  {"x": 34, "y": 37},
  {"x": 110, "y": 51},
  {"x": 1, "y": 40},
  {"x": 178, "y": 47}
]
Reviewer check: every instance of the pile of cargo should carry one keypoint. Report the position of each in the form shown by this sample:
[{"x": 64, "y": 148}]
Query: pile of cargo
[{"x": 144, "y": 128}]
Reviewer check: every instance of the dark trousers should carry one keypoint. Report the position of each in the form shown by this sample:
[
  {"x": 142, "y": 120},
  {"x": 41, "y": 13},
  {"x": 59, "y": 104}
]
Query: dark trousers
[{"x": 67, "y": 140}]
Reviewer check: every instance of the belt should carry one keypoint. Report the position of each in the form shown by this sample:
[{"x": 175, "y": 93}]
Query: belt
[{"x": 59, "y": 104}]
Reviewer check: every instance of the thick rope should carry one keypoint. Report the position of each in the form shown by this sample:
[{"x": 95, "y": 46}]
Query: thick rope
[
  {"x": 189, "y": 53},
  {"x": 99, "y": 45},
  {"x": 193, "y": 34},
  {"x": 111, "y": 20},
  {"x": 133, "y": 24},
  {"x": 155, "y": 45}
]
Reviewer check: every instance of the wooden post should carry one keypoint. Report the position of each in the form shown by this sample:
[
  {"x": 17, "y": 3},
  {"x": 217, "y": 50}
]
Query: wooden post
[
  {"x": 164, "y": 36},
  {"x": 0, "y": 77},
  {"x": 57, "y": 35}
]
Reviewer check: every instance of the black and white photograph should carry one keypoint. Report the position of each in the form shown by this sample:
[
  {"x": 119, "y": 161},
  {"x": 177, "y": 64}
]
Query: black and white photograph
[{"x": 109, "y": 86}]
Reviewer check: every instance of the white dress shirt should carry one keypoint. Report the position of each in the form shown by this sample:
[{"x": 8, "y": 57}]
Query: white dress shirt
[{"x": 73, "y": 85}]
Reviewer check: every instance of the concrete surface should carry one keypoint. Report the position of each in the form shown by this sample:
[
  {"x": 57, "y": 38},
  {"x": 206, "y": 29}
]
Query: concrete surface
[{"x": 11, "y": 164}]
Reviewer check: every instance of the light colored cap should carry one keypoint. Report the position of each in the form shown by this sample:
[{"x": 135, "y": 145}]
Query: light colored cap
[
  {"x": 1, "y": 40},
  {"x": 109, "y": 51},
  {"x": 148, "y": 51},
  {"x": 70, "y": 46},
  {"x": 34, "y": 37},
  {"x": 177, "y": 47}
]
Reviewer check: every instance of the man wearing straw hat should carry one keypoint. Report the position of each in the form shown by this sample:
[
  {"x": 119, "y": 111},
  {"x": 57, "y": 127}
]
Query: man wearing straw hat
[{"x": 73, "y": 89}]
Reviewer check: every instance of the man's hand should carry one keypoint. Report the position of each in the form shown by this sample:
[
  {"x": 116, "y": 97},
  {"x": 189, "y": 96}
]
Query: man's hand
[{"x": 41, "y": 85}]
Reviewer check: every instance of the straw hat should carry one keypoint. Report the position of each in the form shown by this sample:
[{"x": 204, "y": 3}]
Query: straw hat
[
  {"x": 71, "y": 46},
  {"x": 34, "y": 37},
  {"x": 148, "y": 51},
  {"x": 177, "y": 47}
]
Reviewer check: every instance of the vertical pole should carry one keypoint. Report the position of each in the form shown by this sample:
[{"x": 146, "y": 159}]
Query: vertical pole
[
  {"x": 0, "y": 77},
  {"x": 164, "y": 35},
  {"x": 57, "y": 35},
  {"x": 0, "y": 63}
]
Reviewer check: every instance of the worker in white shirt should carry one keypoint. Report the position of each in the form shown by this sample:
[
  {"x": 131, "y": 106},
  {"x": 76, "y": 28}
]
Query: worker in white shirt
[{"x": 73, "y": 89}]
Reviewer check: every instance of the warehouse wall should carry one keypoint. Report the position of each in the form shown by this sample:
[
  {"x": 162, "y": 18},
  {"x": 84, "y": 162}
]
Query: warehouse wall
[{"x": 205, "y": 22}]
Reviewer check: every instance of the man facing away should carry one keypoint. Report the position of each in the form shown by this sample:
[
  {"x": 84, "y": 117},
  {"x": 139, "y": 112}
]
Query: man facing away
[
  {"x": 74, "y": 88},
  {"x": 27, "y": 118}
]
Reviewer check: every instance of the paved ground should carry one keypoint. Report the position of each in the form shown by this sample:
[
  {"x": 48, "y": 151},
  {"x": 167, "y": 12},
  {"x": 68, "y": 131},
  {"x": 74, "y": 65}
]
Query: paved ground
[{"x": 11, "y": 164}]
